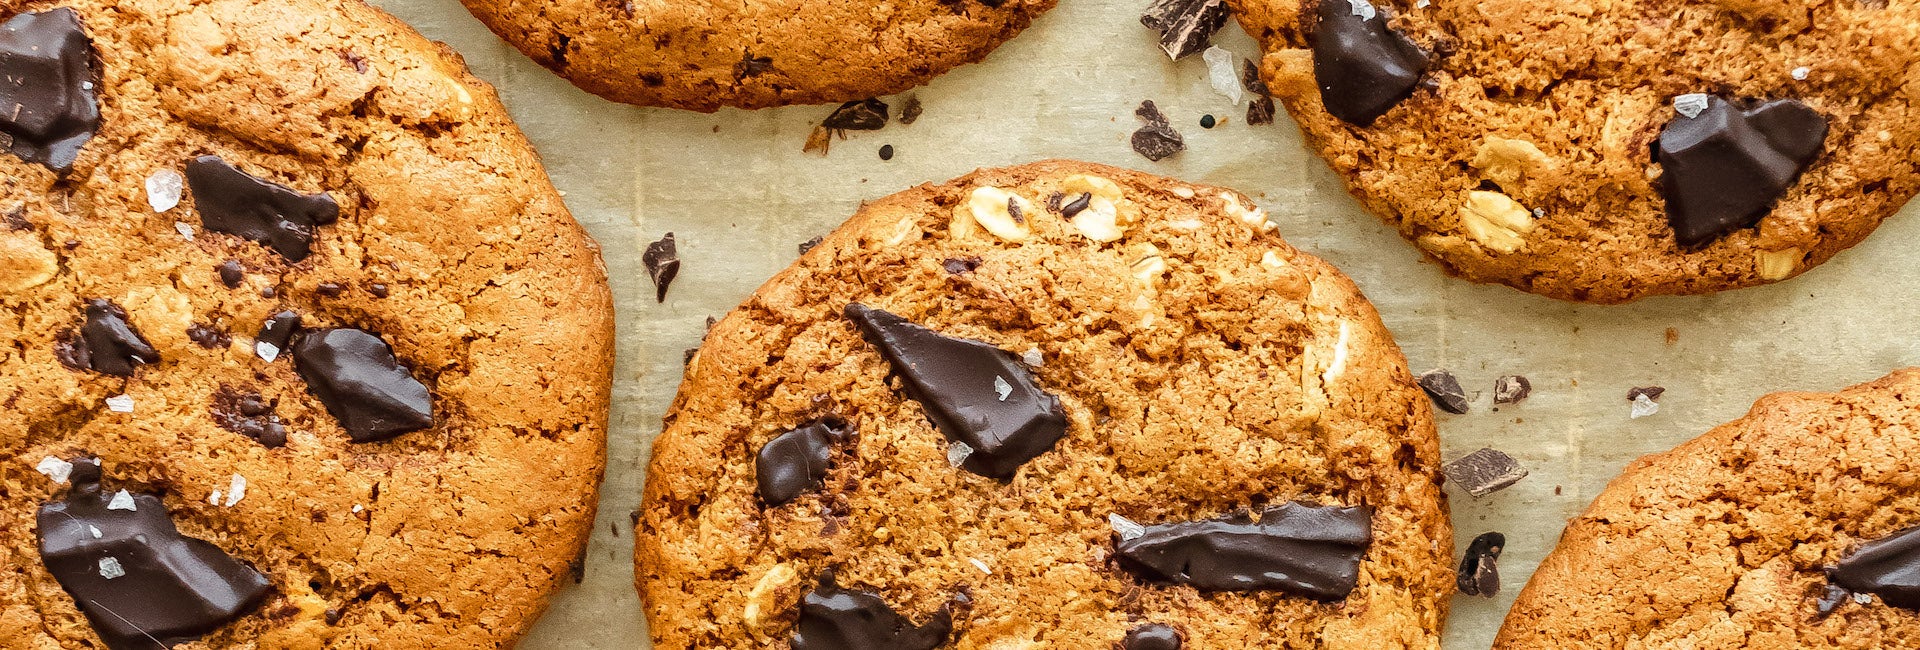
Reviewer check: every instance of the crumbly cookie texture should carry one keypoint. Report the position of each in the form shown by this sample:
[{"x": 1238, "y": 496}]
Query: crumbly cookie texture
[
  {"x": 449, "y": 536},
  {"x": 1522, "y": 156},
  {"x": 1724, "y": 541},
  {"x": 1202, "y": 365},
  {"x": 704, "y": 56}
]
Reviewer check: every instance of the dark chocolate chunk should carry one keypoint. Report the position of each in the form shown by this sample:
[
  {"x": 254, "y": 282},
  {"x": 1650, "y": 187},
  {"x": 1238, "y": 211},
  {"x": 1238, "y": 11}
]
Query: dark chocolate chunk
[
  {"x": 231, "y": 273},
  {"x": 1652, "y": 392},
  {"x": 663, "y": 263},
  {"x": 809, "y": 244},
  {"x": 1156, "y": 139},
  {"x": 237, "y": 203},
  {"x": 1250, "y": 79},
  {"x": 16, "y": 219},
  {"x": 911, "y": 111},
  {"x": 886, "y": 152},
  {"x": 973, "y": 392},
  {"x": 208, "y": 337},
  {"x": 863, "y": 115},
  {"x": 1445, "y": 390},
  {"x": 751, "y": 66},
  {"x": 1185, "y": 26},
  {"x": 1722, "y": 169},
  {"x": 1484, "y": 472},
  {"x": 1831, "y": 597},
  {"x": 278, "y": 330},
  {"x": 961, "y": 265},
  {"x": 140, "y": 582},
  {"x": 795, "y": 462},
  {"x": 1888, "y": 567},
  {"x": 1076, "y": 205},
  {"x": 49, "y": 102},
  {"x": 1152, "y": 636},
  {"x": 1510, "y": 389},
  {"x": 832, "y": 618},
  {"x": 356, "y": 376},
  {"x": 1363, "y": 66},
  {"x": 330, "y": 289},
  {"x": 108, "y": 343},
  {"x": 1306, "y": 550},
  {"x": 1260, "y": 111},
  {"x": 1479, "y": 569}
]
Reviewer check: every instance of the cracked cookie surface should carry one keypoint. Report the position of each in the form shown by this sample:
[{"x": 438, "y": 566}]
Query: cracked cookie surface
[
  {"x": 365, "y": 141},
  {"x": 1201, "y": 366}
]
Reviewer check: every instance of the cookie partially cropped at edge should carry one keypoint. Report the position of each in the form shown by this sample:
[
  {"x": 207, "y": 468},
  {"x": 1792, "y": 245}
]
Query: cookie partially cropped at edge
[
  {"x": 254, "y": 390},
  {"x": 1604, "y": 153},
  {"x": 756, "y": 54},
  {"x": 1788, "y": 527},
  {"x": 1053, "y": 405}
]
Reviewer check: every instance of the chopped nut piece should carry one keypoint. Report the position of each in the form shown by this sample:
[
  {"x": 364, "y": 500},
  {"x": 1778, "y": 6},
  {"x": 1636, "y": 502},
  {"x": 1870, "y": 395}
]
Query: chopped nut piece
[
  {"x": 994, "y": 209},
  {"x": 1104, "y": 216},
  {"x": 763, "y": 602},
  {"x": 1507, "y": 161},
  {"x": 1777, "y": 265},
  {"x": 1253, "y": 216},
  {"x": 24, "y": 262},
  {"x": 1495, "y": 221},
  {"x": 1150, "y": 265}
]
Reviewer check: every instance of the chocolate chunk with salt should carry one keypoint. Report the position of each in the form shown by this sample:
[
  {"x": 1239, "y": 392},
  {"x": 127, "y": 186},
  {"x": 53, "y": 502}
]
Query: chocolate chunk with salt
[
  {"x": 1888, "y": 567},
  {"x": 49, "y": 97},
  {"x": 973, "y": 392},
  {"x": 1185, "y": 26},
  {"x": 278, "y": 331},
  {"x": 1484, "y": 472},
  {"x": 1306, "y": 550},
  {"x": 662, "y": 260},
  {"x": 356, "y": 376},
  {"x": 1363, "y": 67},
  {"x": 862, "y": 115},
  {"x": 1156, "y": 139},
  {"x": 1479, "y": 573},
  {"x": 139, "y": 581},
  {"x": 109, "y": 344},
  {"x": 832, "y": 618},
  {"x": 1152, "y": 636},
  {"x": 238, "y": 203},
  {"x": 795, "y": 462},
  {"x": 1722, "y": 169},
  {"x": 1445, "y": 390}
]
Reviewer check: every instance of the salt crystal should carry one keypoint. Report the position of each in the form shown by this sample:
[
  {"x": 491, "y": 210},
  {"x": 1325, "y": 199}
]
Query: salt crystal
[
  {"x": 184, "y": 229},
  {"x": 958, "y": 452},
  {"x": 121, "y": 501},
  {"x": 163, "y": 190},
  {"x": 357, "y": 508},
  {"x": 236, "y": 490},
  {"x": 1363, "y": 9},
  {"x": 1690, "y": 104},
  {"x": 1422, "y": 4},
  {"x": 1221, "y": 73},
  {"x": 267, "y": 351},
  {"x": 110, "y": 568},
  {"x": 1033, "y": 357},
  {"x": 95, "y": 530},
  {"x": 1862, "y": 598},
  {"x": 1643, "y": 406},
  {"x": 1001, "y": 387},
  {"x": 214, "y": 498},
  {"x": 1126, "y": 528},
  {"x": 982, "y": 566},
  {"x": 1800, "y": 73},
  {"x": 120, "y": 404},
  {"x": 56, "y": 470}
]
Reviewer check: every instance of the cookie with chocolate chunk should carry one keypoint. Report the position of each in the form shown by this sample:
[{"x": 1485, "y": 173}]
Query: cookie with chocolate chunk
[
  {"x": 1791, "y": 527},
  {"x": 707, "y": 55},
  {"x": 1052, "y": 405},
  {"x": 1607, "y": 153},
  {"x": 254, "y": 392}
]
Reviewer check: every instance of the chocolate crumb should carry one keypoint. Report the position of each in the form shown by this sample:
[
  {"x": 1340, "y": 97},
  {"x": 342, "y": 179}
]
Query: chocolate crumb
[
  {"x": 330, "y": 289},
  {"x": 230, "y": 273},
  {"x": 959, "y": 266},
  {"x": 1510, "y": 389},
  {"x": 1206, "y": 121},
  {"x": 1445, "y": 390},
  {"x": 1652, "y": 393},
  {"x": 334, "y": 614},
  {"x": 17, "y": 219},
  {"x": 208, "y": 337},
  {"x": 1260, "y": 111},
  {"x": 809, "y": 244},
  {"x": 1484, "y": 472},
  {"x": 378, "y": 290},
  {"x": 1079, "y": 203},
  {"x": 663, "y": 263},
  {"x": 1479, "y": 573},
  {"x": 862, "y": 115},
  {"x": 1014, "y": 211},
  {"x": 751, "y": 66},
  {"x": 354, "y": 59},
  {"x": 1831, "y": 597},
  {"x": 910, "y": 111},
  {"x": 1156, "y": 140},
  {"x": 886, "y": 152}
]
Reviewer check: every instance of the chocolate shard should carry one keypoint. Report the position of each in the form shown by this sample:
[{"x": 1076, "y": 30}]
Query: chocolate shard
[
  {"x": 973, "y": 392},
  {"x": 1484, "y": 472},
  {"x": 1722, "y": 169},
  {"x": 1364, "y": 67},
  {"x": 1152, "y": 636},
  {"x": 1156, "y": 140},
  {"x": 111, "y": 345},
  {"x": 1831, "y": 597},
  {"x": 237, "y": 203},
  {"x": 140, "y": 582},
  {"x": 795, "y": 462},
  {"x": 1445, "y": 390},
  {"x": 49, "y": 103},
  {"x": 863, "y": 115},
  {"x": 832, "y": 618},
  {"x": 356, "y": 376},
  {"x": 1479, "y": 573},
  {"x": 1510, "y": 389},
  {"x": 1888, "y": 567},
  {"x": 278, "y": 330},
  {"x": 1185, "y": 26},
  {"x": 662, "y": 260},
  {"x": 1302, "y": 549}
]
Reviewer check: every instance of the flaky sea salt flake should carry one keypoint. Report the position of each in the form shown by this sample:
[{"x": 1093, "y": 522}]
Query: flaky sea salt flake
[
  {"x": 236, "y": 490},
  {"x": 1001, "y": 388},
  {"x": 1800, "y": 73},
  {"x": 957, "y": 453},
  {"x": 266, "y": 351},
  {"x": 1221, "y": 73},
  {"x": 163, "y": 190},
  {"x": 982, "y": 566},
  {"x": 1363, "y": 9},
  {"x": 1033, "y": 357},
  {"x": 1643, "y": 406},
  {"x": 184, "y": 229},
  {"x": 1690, "y": 104},
  {"x": 110, "y": 568},
  {"x": 120, "y": 404},
  {"x": 121, "y": 501},
  {"x": 1126, "y": 528},
  {"x": 94, "y": 530},
  {"x": 56, "y": 470}
]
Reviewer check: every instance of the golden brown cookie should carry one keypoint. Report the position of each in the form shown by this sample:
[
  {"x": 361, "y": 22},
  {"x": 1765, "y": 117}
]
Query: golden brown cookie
[
  {"x": 1607, "y": 151},
  {"x": 298, "y": 347},
  {"x": 1787, "y": 528},
  {"x": 703, "y": 55},
  {"x": 1052, "y": 405}
]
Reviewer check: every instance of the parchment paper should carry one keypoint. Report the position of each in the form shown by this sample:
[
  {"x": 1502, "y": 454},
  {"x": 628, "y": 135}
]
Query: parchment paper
[{"x": 739, "y": 196}]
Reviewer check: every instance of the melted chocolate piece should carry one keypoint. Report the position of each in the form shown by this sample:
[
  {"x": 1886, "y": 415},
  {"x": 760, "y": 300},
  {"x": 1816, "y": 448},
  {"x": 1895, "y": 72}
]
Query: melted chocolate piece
[
  {"x": 140, "y": 582},
  {"x": 1363, "y": 66},
  {"x": 1722, "y": 169},
  {"x": 1307, "y": 550},
  {"x": 973, "y": 392},
  {"x": 1152, "y": 636},
  {"x": 356, "y": 376},
  {"x": 795, "y": 462},
  {"x": 237, "y": 203},
  {"x": 1888, "y": 567},
  {"x": 108, "y": 343},
  {"x": 1479, "y": 573},
  {"x": 49, "y": 106},
  {"x": 832, "y": 618}
]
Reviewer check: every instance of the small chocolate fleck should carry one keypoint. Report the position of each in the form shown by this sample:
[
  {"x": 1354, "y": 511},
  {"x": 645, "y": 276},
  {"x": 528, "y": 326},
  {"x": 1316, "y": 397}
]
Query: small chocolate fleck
[
  {"x": 1152, "y": 636},
  {"x": 48, "y": 82},
  {"x": 1479, "y": 573},
  {"x": 1652, "y": 392},
  {"x": 1364, "y": 67},
  {"x": 795, "y": 462},
  {"x": 1185, "y": 26},
  {"x": 358, "y": 379},
  {"x": 269, "y": 292},
  {"x": 1888, "y": 567},
  {"x": 1156, "y": 140},
  {"x": 1076, "y": 205},
  {"x": 208, "y": 337},
  {"x": 961, "y": 265},
  {"x": 832, "y": 618},
  {"x": 278, "y": 330},
  {"x": 886, "y": 152},
  {"x": 862, "y": 115},
  {"x": 751, "y": 66},
  {"x": 1298, "y": 548},
  {"x": 911, "y": 111},
  {"x": 1260, "y": 111},
  {"x": 231, "y": 273},
  {"x": 1250, "y": 79},
  {"x": 109, "y": 344},
  {"x": 1484, "y": 472},
  {"x": 662, "y": 260},
  {"x": 1510, "y": 389},
  {"x": 1445, "y": 391},
  {"x": 334, "y": 614},
  {"x": 16, "y": 219},
  {"x": 1014, "y": 211},
  {"x": 1206, "y": 121},
  {"x": 238, "y": 203},
  {"x": 354, "y": 59},
  {"x": 809, "y": 244},
  {"x": 377, "y": 289},
  {"x": 330, "y": 289}
]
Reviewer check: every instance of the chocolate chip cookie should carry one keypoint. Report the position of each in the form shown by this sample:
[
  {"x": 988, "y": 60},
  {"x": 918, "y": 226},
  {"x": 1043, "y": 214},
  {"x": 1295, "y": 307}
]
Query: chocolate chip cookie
[
  {"x": 1053, "y": 405},
  {"x": 255, "y": 391},
  {"x": 1792, "y": 527},
  {"x": 1603, "y": 152},
  {"x": 705, "y": 55}
]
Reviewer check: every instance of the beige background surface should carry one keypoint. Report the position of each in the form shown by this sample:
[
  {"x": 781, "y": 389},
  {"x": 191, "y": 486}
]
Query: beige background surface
[{"x": 739, "y": 195}]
